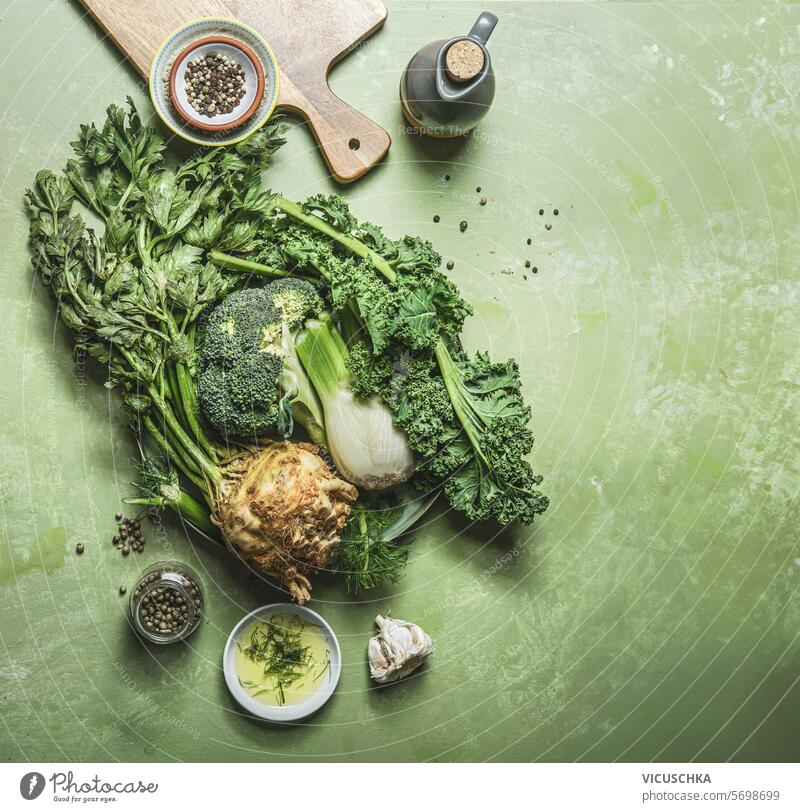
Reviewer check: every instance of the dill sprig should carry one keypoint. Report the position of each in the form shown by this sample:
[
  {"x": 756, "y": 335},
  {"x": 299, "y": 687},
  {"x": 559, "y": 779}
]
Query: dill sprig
[{"x": 279, "y": 649}]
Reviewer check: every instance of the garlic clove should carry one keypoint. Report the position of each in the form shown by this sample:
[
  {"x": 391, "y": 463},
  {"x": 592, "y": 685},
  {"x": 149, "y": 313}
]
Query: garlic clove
[{"x": 398, "y": 649}]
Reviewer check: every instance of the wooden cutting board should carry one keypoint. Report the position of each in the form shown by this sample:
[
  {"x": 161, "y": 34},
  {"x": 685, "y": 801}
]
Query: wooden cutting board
[{"x": 308, "y": 37}]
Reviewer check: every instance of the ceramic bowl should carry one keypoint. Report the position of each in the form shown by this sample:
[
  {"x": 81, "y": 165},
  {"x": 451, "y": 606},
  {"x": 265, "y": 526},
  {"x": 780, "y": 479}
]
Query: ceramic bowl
[
  {"x": 283, "y": 713},
  {"x": 228, "y": 33},
  {"x": 253, "y": 83}
]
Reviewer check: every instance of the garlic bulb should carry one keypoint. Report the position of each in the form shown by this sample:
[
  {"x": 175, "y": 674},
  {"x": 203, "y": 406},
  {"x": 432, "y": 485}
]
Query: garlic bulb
[{"x": 397, "y": 649}]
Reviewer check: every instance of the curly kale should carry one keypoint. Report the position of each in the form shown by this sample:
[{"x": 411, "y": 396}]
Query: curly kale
[
  {"x": 495, "y": 480},
  {"x": 409, "y": 302},
  {"x": 467, "y": 423}
]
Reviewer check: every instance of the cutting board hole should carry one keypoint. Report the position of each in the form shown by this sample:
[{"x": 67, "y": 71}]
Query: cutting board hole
[{"x": 354, "y": 144}]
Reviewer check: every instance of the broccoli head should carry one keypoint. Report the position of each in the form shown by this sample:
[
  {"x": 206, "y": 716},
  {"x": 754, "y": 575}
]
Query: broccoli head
[
  {"x": 295, "y": 300},
  {"x": 241, "y": 363}
]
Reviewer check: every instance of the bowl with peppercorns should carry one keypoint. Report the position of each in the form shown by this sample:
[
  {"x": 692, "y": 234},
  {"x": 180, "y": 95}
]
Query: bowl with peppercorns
[{"x": 214, "y": 81}]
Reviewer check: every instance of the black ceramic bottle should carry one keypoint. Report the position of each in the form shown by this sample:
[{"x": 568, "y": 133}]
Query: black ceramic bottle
[{"x": 448, "y": 86}]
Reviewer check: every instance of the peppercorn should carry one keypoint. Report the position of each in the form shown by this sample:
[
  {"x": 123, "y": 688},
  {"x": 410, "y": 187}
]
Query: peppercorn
[
  {"x": 123, "y": 590},
  {"x": 215, "y": 84},
  {"x": 450, "y": 265},
  {"x": 436, "y": 218},
  {"x": 79, "y": 548},
  {"x": 463, "y": 225},
  {"x": 118, "y": 516},
  {"x": 482, "y": 201},
  {"x": 164, "y": 611}
]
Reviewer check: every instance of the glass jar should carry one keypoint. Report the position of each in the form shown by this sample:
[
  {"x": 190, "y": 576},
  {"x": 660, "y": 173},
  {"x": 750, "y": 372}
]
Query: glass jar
[{"x": 166, "y": 602}]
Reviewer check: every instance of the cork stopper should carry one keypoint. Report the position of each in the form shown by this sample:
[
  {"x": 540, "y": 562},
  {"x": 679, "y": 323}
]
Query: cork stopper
[{"x": 463, "y": 60}]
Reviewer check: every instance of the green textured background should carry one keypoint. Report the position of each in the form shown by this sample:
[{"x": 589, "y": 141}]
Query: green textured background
[{"x": 653, "y": 612}]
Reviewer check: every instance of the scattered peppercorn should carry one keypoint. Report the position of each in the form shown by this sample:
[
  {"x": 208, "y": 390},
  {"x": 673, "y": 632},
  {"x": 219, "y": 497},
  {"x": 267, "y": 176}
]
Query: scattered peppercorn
[
  {"x": 555, "y": 212},
  {"x": 450, "y": 265},
  {"x": 541, "y": 212},
  {"x": 482, "y": 201},
  {"x": 123, "y": 590},
  {"x": 130, "y": 535},
  {"x": 447, "y": 177},
  {"x": 529, "y": 240},
  {"x": 478, "y": 189},
  {"x": 214, "y": 84},
  {"x": 527, "y": 263},
  {"x": 463, "y": 225},
  {"x": 79, "y": 548},
  {"x": 548, "y": 226},
  {"x": 436, "y": 218},
  {"x": 535, "y": 269}
]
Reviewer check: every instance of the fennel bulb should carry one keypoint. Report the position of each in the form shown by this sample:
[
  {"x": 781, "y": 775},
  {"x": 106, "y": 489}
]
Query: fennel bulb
[{"x": 366, "y": 446}]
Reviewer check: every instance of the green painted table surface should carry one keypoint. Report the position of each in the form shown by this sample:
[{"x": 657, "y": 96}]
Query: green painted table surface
[{"x": 653, "y": 612}]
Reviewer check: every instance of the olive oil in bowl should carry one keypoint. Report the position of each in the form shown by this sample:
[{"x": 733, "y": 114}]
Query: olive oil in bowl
[
  {"x": 282, "y": 659},
  {"x": 282, "y": 662}
]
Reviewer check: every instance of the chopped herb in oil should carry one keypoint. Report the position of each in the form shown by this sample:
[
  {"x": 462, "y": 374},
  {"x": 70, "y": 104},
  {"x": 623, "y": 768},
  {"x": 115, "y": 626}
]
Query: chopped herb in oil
[{"x": 281, "y": 649}]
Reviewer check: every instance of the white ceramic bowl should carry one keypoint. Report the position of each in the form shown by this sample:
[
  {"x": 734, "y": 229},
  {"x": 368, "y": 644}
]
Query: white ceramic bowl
[
  {"x": 283, "y": 713},
  {"x": 253, "y": 83}
]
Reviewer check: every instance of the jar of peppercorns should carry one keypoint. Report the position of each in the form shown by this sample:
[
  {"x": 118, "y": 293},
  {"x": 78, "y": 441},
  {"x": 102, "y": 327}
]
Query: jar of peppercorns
[{"x": 167, "y": 602}]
